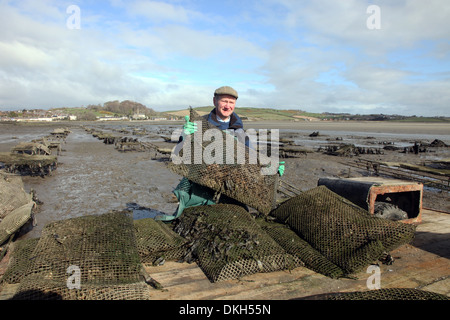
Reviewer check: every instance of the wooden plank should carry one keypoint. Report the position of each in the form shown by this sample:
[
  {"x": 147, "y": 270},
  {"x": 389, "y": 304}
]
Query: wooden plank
[
  {"x": 440, "y": 172},
  {"x": 441, "y": 286},
  {"x": 8, "y": 290}
]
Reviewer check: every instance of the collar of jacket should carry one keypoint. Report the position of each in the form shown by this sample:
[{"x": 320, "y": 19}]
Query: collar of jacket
[{"x": 234, "y": 123}]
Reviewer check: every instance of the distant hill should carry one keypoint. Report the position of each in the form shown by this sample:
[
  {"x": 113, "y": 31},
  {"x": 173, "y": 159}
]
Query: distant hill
[
  {"x": 262, "y": 114},
  {"x": 257, "y": 114},
  {"x": 114, "y": 108},
  {"x": 128, "y": 108}
]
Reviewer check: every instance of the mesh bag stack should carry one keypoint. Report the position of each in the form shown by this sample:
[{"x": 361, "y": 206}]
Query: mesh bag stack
[
  {"x": 156, "y": 241},
  {"x": 239, "y": 178},
  {"x": 33, "y": 165},
  {"x": 346, "y": 235},
  {"x": 228, "y": 244},
  {"x": 389, "y": 294},
  {"x": 104, "y": 250}
]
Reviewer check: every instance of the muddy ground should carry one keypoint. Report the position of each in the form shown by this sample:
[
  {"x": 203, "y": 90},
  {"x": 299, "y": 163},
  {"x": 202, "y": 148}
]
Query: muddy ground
[{"x": 93, "y": 177}]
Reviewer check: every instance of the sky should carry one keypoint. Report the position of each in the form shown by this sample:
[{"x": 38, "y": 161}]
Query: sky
[{"x": 346, "y": 56}]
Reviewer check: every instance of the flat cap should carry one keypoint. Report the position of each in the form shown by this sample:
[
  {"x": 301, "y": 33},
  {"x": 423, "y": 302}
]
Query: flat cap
[{"x": 226, "y": 90}]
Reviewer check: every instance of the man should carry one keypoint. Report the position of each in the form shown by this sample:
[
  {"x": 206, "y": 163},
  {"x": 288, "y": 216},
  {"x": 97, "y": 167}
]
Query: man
[{"x": 223, "y": 117}]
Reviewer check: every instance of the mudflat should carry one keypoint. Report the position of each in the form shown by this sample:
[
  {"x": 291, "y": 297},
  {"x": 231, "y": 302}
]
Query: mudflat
[
  {"x": 386, "y": 127},
  {"x": 426, "y": 128},
  {"x": 94, "y": 178}
]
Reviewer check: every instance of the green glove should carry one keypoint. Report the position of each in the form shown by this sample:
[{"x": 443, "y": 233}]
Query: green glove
[
  {"x": 281, "y": 168},
  {"x": 189, "y": 127}
]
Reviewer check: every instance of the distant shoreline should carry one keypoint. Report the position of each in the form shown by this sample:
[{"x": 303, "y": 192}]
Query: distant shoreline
[
  {"x": 357, "y": 126},
  {"x": 439, "y": 128}
]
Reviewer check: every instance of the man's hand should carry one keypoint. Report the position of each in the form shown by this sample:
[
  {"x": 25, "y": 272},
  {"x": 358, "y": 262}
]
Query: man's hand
[
  {"x": 189, "y": 127},
  {"x": 281, "y": 168}
]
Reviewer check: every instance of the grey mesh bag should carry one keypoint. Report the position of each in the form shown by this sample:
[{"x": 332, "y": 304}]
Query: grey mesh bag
[
  {"x": 244, "y": 174},
  {"x": 389, "y": 294},
  {"x": 227, "y": 243},
  {"x": 102, "y": 248},
  {"x": 345, "y": 234}
]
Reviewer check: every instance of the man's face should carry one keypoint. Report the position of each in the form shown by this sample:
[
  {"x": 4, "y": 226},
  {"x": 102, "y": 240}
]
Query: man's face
[{"x": 224, "y": 105}]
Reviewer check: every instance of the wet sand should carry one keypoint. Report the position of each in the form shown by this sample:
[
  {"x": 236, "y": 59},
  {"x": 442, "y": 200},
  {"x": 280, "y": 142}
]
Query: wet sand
[
  {"x": 384, "y": 127},
  {"x": 94, "y": 178}
]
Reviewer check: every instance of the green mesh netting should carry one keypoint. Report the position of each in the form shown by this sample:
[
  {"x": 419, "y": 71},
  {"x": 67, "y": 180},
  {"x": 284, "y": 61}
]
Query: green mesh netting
[
  {"x": 156, "y": 241},
  {"x": 103, "y": 248},
  {"x": 238, "y": 178},
  {"x": 227, "y": 243},
  {"x": 389, "y": 294},
  {"x": 345, "y": 234}
]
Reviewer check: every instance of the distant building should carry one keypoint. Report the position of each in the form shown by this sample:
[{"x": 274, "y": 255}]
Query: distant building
[
  {"x": 59, "y": 117},
  {"x": 34, "y": 119},
  {"x": 110, "y": 118},
  {"x": 138, "y": 116}
]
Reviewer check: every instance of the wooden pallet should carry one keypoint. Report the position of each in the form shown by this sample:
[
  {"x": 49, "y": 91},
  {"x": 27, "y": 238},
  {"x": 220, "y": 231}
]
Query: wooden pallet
[{"x": 424, "y": 264}]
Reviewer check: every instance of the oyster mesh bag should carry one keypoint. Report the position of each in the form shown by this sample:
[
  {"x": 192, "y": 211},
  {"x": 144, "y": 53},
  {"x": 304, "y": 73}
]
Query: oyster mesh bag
[
  {"x": 299, "y": 248},
  {"x": 235, "y": 171},
  {"x": 227, "y": 243},
  {"x": 345, "y": 234},
  {"x": 389, "y": 294},
  {"x": 16, "y": 206},
  {"x": 15, "y": 220},
  {"x": 21, "y": 251},
  {"x": 155, "y": 241},
  {"x": 102, "y": 248},
  {"x": 12, "y": 194},
  {"x": 24, "y": 164}
]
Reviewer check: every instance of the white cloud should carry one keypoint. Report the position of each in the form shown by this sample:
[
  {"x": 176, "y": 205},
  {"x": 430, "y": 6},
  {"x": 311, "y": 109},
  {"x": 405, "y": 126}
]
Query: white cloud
[
  {"x": 403, "y": 23},
  {"x": 156, "y": 11},
  {"x": 14, "y": 54},
  {"x": 313, "y": 55},
  {"x": 319, "y": 34}
]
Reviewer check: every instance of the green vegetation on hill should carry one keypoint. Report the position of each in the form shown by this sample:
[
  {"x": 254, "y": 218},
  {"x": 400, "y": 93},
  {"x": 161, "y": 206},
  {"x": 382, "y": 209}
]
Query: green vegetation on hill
[
  {"x": 260, "y": 113},
  {"x": 263, "y": 114},
  {"x": 129, "y": 108},
  {"x": 109, "y": 109}
]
